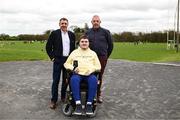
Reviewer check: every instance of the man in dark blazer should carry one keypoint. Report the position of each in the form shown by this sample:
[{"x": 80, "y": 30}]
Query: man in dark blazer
[{"x": 60, "y": 44}]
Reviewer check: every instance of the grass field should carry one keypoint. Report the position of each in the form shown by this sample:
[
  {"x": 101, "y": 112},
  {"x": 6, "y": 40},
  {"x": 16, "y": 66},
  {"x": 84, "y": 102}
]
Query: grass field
[
  {"x": 18, "y": 51},
  {"x": 149, "y": 52}
]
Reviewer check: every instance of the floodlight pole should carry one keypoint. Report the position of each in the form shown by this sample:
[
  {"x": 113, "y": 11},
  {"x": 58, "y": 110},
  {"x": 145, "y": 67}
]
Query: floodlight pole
[{"x": 177, "y": 41}]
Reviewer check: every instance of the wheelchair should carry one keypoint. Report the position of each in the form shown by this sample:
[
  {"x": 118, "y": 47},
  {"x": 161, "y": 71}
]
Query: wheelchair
[{"x": 68, "y": 106}]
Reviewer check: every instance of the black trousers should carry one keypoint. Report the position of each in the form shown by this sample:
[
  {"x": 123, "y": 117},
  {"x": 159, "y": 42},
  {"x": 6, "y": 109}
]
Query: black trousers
[{"x": 58, "y": 67}]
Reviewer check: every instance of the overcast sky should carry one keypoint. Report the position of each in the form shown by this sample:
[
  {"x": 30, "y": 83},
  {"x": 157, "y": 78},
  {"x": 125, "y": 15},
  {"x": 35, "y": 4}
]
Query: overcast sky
[{"x": 37, "y": 16}]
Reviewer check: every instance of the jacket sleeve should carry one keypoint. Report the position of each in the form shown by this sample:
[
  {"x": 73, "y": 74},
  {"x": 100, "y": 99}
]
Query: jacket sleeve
[
  {"x": 69, "y": 62},
  {"x": 110, "y": 43},
  {"x": 49, "y": 46},
  {"x": 73, "y": 41}
]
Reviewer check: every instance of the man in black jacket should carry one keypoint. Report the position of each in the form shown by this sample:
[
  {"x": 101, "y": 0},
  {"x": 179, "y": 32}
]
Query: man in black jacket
[
  {"x": 60, "y": 44},
  {"x": 101, "y": 42}
]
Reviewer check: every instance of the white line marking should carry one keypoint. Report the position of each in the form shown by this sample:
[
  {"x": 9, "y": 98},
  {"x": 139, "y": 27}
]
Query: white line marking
[{"x": 170, "y": 64}]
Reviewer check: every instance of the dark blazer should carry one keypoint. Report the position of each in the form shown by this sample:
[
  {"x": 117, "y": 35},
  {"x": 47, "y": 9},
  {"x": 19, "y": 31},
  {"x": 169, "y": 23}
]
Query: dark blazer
[{"x": 54, "y": 47}]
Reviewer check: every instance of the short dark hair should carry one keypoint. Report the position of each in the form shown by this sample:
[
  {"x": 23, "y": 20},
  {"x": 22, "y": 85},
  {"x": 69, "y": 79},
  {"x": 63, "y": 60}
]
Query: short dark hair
[
  {"x": 65, "y": 19},
  {"x": 83, "y": 37}
]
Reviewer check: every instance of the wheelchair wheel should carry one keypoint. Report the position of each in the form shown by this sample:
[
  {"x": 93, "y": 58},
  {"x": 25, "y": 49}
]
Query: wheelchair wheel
[{"x": 67, "y": 109}]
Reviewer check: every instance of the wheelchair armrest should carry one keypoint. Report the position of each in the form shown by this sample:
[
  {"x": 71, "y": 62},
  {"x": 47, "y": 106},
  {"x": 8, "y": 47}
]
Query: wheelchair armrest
[
  {"x": 69, "y": 71},
  {"x": 68, "y": 75},
  {"x": 96, "y": 73}
]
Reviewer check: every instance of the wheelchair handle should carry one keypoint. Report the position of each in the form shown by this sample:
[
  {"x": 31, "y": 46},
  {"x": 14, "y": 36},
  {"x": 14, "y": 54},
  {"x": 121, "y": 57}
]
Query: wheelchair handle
[{"x": 75, "y": 64}]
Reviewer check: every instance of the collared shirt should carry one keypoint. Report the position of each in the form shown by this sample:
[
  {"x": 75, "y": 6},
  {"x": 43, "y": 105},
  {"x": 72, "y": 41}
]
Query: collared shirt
[
  {"x": 65, "y": 43},
  {"x": 100, "y": 41}
]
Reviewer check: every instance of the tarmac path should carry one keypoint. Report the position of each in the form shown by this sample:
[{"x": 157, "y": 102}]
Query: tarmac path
[{"x": 131, "y": 90}]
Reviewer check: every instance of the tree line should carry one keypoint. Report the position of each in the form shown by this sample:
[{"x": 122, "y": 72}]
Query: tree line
[
  {"x": 26, "y": 37},
  {"x": 153, "y": 37}
]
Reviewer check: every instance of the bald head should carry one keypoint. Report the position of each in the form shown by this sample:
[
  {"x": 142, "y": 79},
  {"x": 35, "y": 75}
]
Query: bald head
[{"x": 96, "y": 21}]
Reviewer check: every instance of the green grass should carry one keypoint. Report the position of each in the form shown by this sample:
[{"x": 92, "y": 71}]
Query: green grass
[
  {"x": 149, "y": 52},
  {"x": 18, "y": 51}
]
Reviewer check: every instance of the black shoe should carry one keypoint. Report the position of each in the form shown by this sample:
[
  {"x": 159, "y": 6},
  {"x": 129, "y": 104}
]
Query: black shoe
[
  {"x": 89, "y": 110},
  {"x": 78, "y": 110}
]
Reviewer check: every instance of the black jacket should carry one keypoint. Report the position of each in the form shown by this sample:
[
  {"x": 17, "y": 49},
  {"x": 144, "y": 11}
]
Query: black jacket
[{"x": 54, "y": 47}]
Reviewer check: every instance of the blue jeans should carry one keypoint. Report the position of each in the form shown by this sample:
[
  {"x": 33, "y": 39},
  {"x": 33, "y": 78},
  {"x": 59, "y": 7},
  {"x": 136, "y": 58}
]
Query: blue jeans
[
  {"x": 57, "y": 68},
  {"x": 75, "y": 86}
]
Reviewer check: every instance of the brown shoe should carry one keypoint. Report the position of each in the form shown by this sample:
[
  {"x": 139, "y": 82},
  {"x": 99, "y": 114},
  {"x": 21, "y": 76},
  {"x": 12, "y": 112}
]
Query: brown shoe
[
  {"x": 52, "y": 105},
  {"x": 99, "y": 99}
]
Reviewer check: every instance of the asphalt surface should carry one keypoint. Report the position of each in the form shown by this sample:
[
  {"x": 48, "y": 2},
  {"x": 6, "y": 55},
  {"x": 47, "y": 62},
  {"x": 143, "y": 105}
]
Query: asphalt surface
[{"x": 131, "y": 90}]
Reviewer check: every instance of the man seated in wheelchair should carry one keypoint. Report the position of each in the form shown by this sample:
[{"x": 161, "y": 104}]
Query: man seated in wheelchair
[{"x": 88, "y": 63}]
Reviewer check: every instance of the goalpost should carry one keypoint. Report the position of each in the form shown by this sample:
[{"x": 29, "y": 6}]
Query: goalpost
[{"x": 171, "y": 41}]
